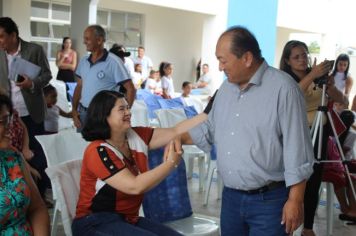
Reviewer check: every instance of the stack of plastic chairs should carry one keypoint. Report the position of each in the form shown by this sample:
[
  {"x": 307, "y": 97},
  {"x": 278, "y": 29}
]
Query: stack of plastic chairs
[{"x": 58, "y": 148}]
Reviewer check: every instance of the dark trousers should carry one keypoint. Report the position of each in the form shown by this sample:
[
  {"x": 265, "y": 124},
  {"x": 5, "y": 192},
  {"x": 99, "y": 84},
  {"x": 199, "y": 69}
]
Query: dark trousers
[
  {"x": 107, "y": 224},
  {"x": 311, "y": 195},
  {"x": 39, "y": 159}
]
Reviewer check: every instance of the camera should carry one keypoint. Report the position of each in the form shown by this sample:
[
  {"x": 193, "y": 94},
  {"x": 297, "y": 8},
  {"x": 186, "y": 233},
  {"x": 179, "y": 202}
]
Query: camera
[
  {"x": 324, "y": 79},
  {"x": 20, "y": 79}
]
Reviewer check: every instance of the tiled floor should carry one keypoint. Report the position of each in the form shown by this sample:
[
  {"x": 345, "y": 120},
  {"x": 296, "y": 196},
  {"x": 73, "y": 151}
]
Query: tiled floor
[{"x": 213, "y": 210}]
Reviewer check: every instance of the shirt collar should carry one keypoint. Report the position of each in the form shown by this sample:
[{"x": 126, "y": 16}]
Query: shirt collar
[
  {"x": 18, "y": 50},
  {"x": 103, "y": 58},
  {"x": 256, "y": 79}
]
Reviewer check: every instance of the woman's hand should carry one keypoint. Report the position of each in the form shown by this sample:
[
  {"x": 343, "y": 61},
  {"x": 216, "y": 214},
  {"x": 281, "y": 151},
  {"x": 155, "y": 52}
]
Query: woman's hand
[
  {"x": 321, "y": 69},
  {"x": 173, "y": 152}
]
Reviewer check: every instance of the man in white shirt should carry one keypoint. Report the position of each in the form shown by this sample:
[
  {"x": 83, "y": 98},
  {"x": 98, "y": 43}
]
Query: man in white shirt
[
  {"x": 145, "y": 61},
  {"x": 205, "y": 80}
]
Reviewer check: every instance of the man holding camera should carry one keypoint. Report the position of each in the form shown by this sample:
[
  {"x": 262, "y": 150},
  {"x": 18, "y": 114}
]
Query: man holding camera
[{"x": 26, "y": 94}]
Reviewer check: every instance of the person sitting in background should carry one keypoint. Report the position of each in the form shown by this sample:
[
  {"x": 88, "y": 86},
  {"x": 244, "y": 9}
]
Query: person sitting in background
[
  {"x": 22, "y": 211},
  {"x": 153, "y": 83},
  {"x": 53, "y": 111},
  {"x": 186, "y": 90},
  {"x": 137, "y": 77},
  {"x": 204, "y": 80},
  {"x": 115, "y": 172},
  {"x": 165, "y": 71},
  {"x": 335, "y": 172}
]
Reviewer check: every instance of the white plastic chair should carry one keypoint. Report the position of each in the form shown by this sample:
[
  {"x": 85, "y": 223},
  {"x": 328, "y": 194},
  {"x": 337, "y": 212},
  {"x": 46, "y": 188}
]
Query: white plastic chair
[
  {"x": 58, "y": 148},
  {"x": 66, "y": 177},
  {"x": 139, "y": 114},
  {"x": 169, "y": 118},
  {"x": 195, "y": 225}
]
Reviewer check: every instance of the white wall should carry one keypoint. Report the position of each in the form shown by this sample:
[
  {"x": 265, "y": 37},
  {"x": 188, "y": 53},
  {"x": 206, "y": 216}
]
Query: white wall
[
  {"x": 21, "y": 15},
  {"x": 169, "y": 35},
  {"x": 201, "y": 6}
]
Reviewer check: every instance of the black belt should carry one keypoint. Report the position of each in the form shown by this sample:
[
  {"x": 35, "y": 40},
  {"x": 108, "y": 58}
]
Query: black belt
[{"x": 266, "y": 188}]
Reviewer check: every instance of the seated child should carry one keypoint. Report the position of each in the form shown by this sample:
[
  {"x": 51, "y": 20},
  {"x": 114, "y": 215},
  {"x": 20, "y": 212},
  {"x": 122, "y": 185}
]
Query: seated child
[
  {"x": 153, "y": 83},
  {"x": 53, "y": 111},
  {"x": 335, "y": 172},
  {"x": 188, "y": 100}
]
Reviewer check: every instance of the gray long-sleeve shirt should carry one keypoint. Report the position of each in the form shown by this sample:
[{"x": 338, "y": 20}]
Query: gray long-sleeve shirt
[{"x": 261, "y": 132}]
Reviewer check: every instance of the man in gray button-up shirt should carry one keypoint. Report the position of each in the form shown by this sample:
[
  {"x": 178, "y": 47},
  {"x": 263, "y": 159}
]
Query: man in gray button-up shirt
[{"x": 258, "y": 124}]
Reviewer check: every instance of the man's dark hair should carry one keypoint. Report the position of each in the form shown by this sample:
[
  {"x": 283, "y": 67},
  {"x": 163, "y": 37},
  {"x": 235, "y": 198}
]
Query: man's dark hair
[
  {"x": 96, "y": 125},
  {"x": 242, "y": 41},
  {"x": 9, "y": 26}
]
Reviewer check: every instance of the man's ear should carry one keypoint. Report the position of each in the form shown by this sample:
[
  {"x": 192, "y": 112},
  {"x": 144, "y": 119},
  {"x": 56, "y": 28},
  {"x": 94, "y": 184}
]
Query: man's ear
[{"x": 248, "y": 58}]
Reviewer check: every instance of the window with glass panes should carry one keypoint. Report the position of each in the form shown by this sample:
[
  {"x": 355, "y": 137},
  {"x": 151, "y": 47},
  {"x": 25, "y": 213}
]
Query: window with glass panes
[
  {"x": 122, "y": 28},
  {"x": 50, "y": 22}
]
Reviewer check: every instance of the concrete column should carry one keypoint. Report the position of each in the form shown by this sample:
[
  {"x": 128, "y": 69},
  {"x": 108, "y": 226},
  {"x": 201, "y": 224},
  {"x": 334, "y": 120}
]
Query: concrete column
[
  {"x": 83, "y": 14},
  {"x": 1, "y": 8},
  {"x": 260, "y": 17}
]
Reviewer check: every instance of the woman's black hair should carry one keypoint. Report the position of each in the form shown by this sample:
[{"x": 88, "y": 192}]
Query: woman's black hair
[
  {"x": 96, "y": 125},
  {"x": 162, "y": 67},
  {"x": 6, "y": 101},
  {"x": 287, "y": 50},
  {"x": 342, "y": 57},
  {"x": 64, "y": 40}
]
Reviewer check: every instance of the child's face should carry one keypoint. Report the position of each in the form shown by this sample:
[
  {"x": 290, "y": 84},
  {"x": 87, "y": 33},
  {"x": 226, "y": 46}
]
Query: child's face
[
  {"x": 342, "y": 66},
  {"x": 168, "y": 70},
  {"x": 138, "y": 68},
  {"x": 187, "y": 89},
  {"x": 51, "y": 99},
  {"x": 339, "y": 107}
]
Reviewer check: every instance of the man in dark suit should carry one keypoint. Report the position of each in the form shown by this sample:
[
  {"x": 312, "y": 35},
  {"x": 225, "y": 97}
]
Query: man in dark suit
[{"x": 26, "y": 93}]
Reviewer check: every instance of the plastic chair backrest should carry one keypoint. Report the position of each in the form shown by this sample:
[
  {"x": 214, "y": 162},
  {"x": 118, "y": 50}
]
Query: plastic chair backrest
[
  {"x": 66, "y": 177},
  {"x": 170, "y": 117},
  {"x": 66, "y": 145},
  {"x": 139, "y": 114}
]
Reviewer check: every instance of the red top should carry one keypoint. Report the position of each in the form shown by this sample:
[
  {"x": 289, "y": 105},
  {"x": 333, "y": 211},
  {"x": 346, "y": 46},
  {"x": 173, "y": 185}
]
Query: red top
[{"x": 99, "y": 163}]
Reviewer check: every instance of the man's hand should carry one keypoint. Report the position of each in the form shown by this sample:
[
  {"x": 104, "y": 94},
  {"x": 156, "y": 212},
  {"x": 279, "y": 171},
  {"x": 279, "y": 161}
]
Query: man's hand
[
  {"x": 26, "y": 83},
  {"x": 76, "y": 119},
  {"x": 293, "y": 215}
]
